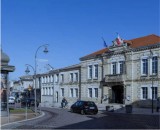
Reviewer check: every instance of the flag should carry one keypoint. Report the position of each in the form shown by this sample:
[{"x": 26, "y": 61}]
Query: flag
[
  {"x": 119, "y": 41},
  {"x": 104, "y": 43}
]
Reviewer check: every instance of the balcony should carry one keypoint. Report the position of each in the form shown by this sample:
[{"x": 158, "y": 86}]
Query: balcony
[{"x": 115, "y": 78}]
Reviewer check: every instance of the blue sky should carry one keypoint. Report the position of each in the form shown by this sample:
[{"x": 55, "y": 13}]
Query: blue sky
[{"x": 72, "y": 28}]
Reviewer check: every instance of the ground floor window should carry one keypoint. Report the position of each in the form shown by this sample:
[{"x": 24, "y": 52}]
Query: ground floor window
[
  {"x": 93, "y": 92},
  {"x": 144, "y": 93},
  {"x": 76, "y": 92},
  {"x": 155, "y": 92},
  {"x": 62, "y": 92},
  {"x": 96, "y": 92},
  {"x": 71, "y": 92},
  {"x": 89, "y": 92}
]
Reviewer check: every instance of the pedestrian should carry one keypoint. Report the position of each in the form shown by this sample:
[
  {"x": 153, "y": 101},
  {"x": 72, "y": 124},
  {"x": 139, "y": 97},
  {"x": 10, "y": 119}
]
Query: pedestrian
[
  {"x": 158, "y": 105},
  {"x": 64, "y": 102}
]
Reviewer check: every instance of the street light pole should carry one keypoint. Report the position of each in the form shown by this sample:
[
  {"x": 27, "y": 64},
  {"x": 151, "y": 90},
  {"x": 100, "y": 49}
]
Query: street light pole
[{"x": 35, "y": 72}]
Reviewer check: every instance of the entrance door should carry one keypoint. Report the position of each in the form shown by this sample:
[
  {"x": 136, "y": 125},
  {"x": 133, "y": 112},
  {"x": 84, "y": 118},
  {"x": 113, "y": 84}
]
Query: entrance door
[{"x": 117, "y": 94}]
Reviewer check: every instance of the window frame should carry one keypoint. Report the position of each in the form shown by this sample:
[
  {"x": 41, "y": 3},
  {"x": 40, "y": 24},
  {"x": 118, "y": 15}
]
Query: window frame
[
  {"x": 90, "y": 73},
  {"x": 90, "y": 95},
  {"x": 144, "y": 93},
  {"x": 143, "y": 66}
]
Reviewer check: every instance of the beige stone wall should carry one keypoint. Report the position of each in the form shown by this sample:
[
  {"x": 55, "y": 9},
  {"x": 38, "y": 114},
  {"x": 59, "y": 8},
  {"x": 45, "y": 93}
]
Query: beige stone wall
[
  {"x": 90, "y": 83},
  {"x": 133, "y": 79}
]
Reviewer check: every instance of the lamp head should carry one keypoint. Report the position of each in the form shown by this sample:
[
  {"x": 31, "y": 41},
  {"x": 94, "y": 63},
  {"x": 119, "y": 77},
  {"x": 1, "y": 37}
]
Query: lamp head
[
  {"x": 27, "y": 70},
  {"x": 45, "y": 50}
]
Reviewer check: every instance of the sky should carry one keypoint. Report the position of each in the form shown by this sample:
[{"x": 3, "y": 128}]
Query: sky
[{"x": 72, "y": 28}]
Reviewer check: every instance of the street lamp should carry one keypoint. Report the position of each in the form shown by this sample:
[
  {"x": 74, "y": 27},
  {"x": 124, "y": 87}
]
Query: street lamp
[{"x": 35, "y": 71}]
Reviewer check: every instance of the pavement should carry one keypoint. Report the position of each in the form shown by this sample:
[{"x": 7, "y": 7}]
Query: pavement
[{"x": 13, "y": 118}]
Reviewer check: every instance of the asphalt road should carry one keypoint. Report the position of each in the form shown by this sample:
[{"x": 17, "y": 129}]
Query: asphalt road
[{"x": 58, "y": 118}]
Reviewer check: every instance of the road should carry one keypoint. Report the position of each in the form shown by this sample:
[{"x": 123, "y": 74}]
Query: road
[{"x": 57, "y": 118}]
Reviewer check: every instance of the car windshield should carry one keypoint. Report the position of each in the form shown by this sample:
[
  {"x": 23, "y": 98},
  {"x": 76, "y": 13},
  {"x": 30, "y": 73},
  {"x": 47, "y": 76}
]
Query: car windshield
[{"x": 90, "y": 104}]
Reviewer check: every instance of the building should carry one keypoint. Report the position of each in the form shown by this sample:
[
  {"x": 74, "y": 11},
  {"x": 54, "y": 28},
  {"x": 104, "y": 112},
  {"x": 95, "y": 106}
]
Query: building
[
  {"x": 56, "y": 84},
  {"x": 127, "y": 72}
]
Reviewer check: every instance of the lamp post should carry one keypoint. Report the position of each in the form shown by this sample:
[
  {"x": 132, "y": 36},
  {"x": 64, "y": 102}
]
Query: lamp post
[{"x": 35, "y": 71}]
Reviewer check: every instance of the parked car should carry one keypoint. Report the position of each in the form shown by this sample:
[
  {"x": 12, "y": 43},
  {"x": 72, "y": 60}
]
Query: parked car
[
  {"x": 29, "y": 102},
  {"x": 11, "y": 100},
  {"x": 84, "y": 107}
]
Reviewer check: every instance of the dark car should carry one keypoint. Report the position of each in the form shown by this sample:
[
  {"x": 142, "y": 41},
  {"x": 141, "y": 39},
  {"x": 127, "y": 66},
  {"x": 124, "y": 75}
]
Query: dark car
[
  {"x": 29, "y": 102},
  {"x": 84, "y": 107}
]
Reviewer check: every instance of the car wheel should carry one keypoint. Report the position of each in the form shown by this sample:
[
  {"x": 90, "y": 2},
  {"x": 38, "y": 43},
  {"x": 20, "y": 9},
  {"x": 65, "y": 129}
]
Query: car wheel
[
  {"x": 82, "y": 112},
  {"x": 71, "y": 110},
  {"x": 95, "y": 113}
]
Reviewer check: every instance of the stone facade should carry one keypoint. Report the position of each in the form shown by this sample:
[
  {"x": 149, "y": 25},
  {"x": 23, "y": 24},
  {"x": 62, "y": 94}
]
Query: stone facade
[
  {"x": 60, "y": 83},
  {"x": 120, "y": 74}
]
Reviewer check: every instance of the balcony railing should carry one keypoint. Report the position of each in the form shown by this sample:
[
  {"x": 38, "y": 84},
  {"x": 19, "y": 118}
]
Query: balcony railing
[{"x": 115, "y": 78}]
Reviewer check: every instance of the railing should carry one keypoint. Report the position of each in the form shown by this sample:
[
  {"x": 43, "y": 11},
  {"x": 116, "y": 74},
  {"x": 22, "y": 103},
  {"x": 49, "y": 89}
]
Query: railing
[{"x": 115, "y": 78}]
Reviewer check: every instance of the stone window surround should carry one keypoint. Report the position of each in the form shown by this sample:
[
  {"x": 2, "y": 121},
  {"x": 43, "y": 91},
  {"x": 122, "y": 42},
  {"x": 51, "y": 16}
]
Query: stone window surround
[{"x": 149, "y": 91}]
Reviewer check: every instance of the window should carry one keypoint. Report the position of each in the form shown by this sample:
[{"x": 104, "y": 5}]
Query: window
[
  {"x": 89, "y": 92},
  {"x": 114, "y": 68},
  {"x": 144, "y": 66},
  {"x": 76, "y": 92},
  {"x": 62, "y": 92},
  {"x": 96, "y": 71},
  {"x": 42, "y": 79},
  {"x": 96, "y": 92},
  {"x": 51, "y": 78},
  {"x": 144, "y": 93},
  {"x": 76, "y": 77},
  {"x": 155, "y": 92},
  {"x": 155, "y": 65},
  {"x": 62, "y": 78},
  {"x": 46, "y": 91},
  {"x": 71, "y": 92},
  {"x": 90, "y": 71},
  {"x": 49, "y": 91},
  {"x": 43, "y": 91},
  {"x": 71, "y": 77},
  {"x": 121, "y": 67},
  {"x": 57, "y": 78}
]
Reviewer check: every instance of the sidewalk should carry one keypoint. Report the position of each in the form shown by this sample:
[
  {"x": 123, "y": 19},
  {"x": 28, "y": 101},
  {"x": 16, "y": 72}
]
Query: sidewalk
[
  {"x": 18, "y": 117},
  {"x": 144, "y": 111}
]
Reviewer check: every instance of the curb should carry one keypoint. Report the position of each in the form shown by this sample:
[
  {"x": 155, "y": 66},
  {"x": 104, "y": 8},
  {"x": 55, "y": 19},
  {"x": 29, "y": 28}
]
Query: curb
[{"x": 23, "y": 120}]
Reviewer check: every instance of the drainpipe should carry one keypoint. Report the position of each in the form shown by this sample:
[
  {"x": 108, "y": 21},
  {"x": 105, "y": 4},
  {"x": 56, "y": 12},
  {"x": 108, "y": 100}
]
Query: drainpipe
[
  {"x": 79, "y": 83},
  {"x": 132, "y": 77},
  {"x": 102, "y": 79}
]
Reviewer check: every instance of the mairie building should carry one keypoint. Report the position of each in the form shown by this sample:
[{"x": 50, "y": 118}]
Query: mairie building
[{"x": 127, "y": 72}]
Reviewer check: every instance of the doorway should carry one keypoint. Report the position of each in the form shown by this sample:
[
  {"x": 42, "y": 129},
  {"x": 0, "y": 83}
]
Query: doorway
[{"x": 117, "y": 94}]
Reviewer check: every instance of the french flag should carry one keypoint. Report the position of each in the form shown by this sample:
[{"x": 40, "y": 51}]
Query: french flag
[{"x": 119, "y": 41}]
